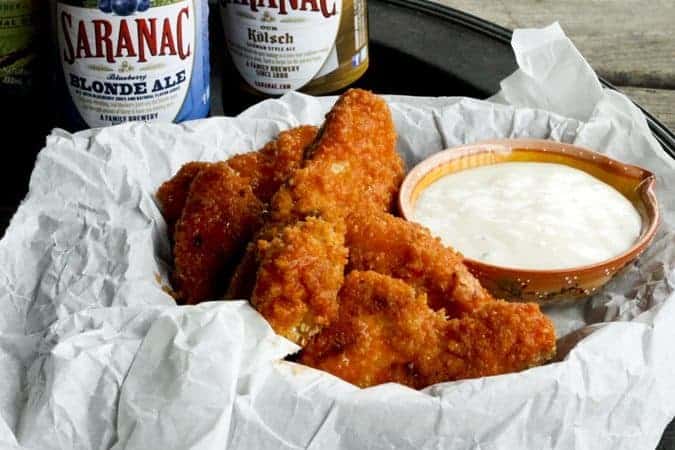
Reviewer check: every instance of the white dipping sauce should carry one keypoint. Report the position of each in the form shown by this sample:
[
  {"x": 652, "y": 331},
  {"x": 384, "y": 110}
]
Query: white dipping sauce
[{"x": 529, "y": 215}]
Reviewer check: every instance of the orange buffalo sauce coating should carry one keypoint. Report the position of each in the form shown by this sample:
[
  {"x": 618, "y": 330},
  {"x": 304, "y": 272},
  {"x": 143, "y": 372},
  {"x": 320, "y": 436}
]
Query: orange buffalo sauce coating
[
  {"x": 386, "y": 332},
  {"x": 301, "y": 271},
  {"x": 213, "y": 209}
]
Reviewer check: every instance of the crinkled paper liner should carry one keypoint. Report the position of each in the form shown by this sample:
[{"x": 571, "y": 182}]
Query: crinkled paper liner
[{"x": 94, "y": 354}]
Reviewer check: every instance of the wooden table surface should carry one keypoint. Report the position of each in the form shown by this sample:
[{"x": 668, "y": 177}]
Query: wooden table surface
[{"x": 630, "y": 43}]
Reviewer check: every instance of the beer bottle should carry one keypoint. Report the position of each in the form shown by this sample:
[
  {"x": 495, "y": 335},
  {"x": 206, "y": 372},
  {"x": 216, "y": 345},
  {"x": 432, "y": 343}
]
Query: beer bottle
[
  {"x": 131, "y": 60},
  {"x": 19, "y": 30},
  {"x": 275, "y": 46}
]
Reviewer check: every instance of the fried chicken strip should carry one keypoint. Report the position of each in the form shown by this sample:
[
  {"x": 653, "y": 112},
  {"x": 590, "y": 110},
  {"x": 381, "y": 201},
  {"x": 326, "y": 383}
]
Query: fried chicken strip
[
  {"x": 405, "y": 250},
  {"x": 243, "y": 279},
  {"x": 266, "y": 168},
  {"x": 386, "y": 332},
  {"x": 221, "y": 214},
  {"x": 173, "y": 193},
  {"x": 214, "y": 222},
  {"x": 270, "y": 166},
  {"x": 353, "y": 164},
  {"x": 301, "y": 271}
]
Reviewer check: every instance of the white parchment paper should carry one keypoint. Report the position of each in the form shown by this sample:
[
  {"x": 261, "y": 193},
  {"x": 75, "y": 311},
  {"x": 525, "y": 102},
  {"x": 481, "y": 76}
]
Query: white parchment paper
[{"x": 94, "y": 354}]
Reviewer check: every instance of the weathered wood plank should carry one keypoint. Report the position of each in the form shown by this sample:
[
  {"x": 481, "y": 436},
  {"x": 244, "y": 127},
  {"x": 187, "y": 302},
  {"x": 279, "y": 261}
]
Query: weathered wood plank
[
  {"x": 659, "y": 102},
  {"x": 628, "y": 42}
]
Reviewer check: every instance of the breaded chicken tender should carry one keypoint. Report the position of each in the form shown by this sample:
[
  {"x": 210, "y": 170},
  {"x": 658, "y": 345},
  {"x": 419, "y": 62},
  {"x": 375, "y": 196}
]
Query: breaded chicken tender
[
  {"x": 245, "y": 184},
  {"x": 243, "y": 279},
  {"x": 173, "y": 193},
  {"x": 381, "y": 327},
  {"x": 500, "y": 337},
  {"x": 266, "y": 168},
  {"x": 353, "y": 163},
  {"x": 270, "y": 166},
  {"x": 405, "y": 250},
  {"x": 221, "y": 214},
  {"x": 301, "y": 271},
  {"x": 386, "y": 332}
]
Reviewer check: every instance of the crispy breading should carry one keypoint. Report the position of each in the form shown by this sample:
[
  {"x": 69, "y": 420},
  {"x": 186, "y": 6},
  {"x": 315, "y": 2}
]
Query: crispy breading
[
  {"x": 301, "y": 271},
  {"x": 242, "y": 281},
  {"x": 386, "y": 332},
  {"x": 381, "y": 326},
  {"x": 173, "y": 193},
  {"x": 352, "y": 164},
  {"x": 393, "y": 246},
  {"x": 500, "y": 337},
  {"x": 245, "y": 183},
  {"x": 266, "y": 168},
  {"x": 221, "y": 214},
  {"x": 270, "y": 166},
  {"x": 359, "y": 127}
]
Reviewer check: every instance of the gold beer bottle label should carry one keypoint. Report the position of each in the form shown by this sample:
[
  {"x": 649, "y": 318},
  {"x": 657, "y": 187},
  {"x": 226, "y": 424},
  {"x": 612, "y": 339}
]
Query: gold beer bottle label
[
  {"x": 317, "y": 46},
  {"x": 19, "y": 32}
]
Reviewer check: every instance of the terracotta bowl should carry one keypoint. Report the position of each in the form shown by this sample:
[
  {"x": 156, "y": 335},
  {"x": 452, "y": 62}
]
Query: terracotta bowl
[{"x": 543, "y": 286}]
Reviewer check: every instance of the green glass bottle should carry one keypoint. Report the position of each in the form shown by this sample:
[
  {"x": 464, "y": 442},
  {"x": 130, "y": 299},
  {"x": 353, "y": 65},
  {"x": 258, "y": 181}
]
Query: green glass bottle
[
  {"x": 20, "y": 23},
  {"x": 24, "y": 99}
]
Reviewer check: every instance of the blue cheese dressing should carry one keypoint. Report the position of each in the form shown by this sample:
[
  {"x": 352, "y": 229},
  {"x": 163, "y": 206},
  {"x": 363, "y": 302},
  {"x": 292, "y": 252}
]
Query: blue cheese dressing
[{"x": 529, "y": 215}]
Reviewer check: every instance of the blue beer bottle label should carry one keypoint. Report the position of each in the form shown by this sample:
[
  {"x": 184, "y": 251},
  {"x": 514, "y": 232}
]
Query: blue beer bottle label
[{"x": 133, "y": 60}]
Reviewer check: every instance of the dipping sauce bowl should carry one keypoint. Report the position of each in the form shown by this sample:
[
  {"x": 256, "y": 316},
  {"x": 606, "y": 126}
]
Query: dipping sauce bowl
[{"x": 543, "y": 286}]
